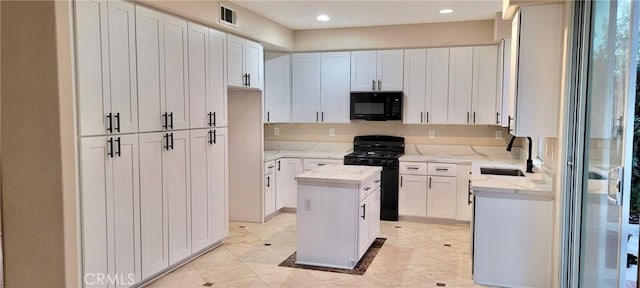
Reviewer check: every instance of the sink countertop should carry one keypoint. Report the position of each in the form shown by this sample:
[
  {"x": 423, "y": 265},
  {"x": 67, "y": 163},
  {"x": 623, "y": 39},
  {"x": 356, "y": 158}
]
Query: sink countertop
[
  {"x": 531, "y": 183},
  {"x": 344, "y": 174},
  {"x": 273, "y": 155}
]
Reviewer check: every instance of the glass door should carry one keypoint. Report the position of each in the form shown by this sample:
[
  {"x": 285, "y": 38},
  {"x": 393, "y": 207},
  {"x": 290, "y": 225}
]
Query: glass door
[{"x": 606, "y": 161}]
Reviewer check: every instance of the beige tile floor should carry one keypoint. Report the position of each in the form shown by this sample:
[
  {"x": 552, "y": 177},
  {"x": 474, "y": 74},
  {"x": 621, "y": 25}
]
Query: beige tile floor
[{"x": 413, "y": 256}]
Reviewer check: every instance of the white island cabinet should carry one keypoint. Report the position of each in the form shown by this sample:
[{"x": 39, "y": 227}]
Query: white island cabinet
[{"x": 338, "y": 214}]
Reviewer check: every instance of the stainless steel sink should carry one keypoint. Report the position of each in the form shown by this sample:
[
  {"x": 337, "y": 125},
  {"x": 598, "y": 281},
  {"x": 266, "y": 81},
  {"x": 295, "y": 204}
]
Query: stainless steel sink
[{"x": 501, "y": 171}]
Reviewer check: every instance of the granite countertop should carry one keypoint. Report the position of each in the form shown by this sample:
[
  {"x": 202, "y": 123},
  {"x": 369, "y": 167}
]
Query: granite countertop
[
  {"x": 531, "y": 183},
  {"x": 345, "y": 174}
]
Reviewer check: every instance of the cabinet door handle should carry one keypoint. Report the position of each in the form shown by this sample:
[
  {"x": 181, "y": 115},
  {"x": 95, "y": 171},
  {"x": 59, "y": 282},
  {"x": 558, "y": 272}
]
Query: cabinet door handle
[
  {"x": 166, "y": 140},
  {"x": 165, "y": 123},
  {"x": 367, "y": 188},
  {"x": 377, "y": 181},
  {"x": 278, "y": 165},
  {"x": 109, "y": 123},
  {"x": 373, "y": 84},
  {"x": 267, "y": 116},
  {"x": 321, "y": 164},
  {"x": 210, "y": 121},
  {"x": 268, "y": 181},
  {"x": 210, "y": 136},
  {"x": 171, "y": 117},
  {"x": 245, "y": 77},
  {"x": 497, "y": 117},
  {"x": 427, "y": 116},
  {"x": 117, "y": 122},
  {"x": 421, "y": 114},
  {"x": 413, "y": 168},
  {"x": 110, "y": 147},
  {"x": 400, "y": 181},
  {"x": 322, "y": 116},
  {"x": 509, "y": 123},
  {"x": 171, "y": 135},
  {"x": 214, "y": 137},
  {"x": 469, "y": 193},
  {"x": 474, "y": 117},
  {"x": 364, "y": 211},
  {"x": 429, "y": 182},
  {"x": 316, "y": 116},
  {"x": 379, "y": 84},
  {"x": 119, "y": 148},
  {"x": 467, "y": 117},
  {"x": 248, "y": 79},
  {"x": 214, "y": 119},
  {"x": 442, "y": 169}
]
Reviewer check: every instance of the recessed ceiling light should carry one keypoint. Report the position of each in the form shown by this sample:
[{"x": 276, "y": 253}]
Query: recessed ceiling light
[
  {"x": 446, "y": 11},
  {"x": 323, "y": 18}
]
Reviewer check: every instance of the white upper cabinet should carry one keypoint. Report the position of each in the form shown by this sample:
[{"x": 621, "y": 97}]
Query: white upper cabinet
[
  {"x": 162, "y": 71},
  {"x": 485, "y": 101},
  {"x": 460, "y": 85},
  {"x": 320, "y": 87},
  {"x": 415, "y": 74},
  {"x": 377, "y": 70},
  {"x": 334, "y": 87},
  {"x": 207, "y": 86},
  {"x": 277, "y": 88},
  {"x": 245, "y": 63},
  {"x": 437, "y": 90},
  {"x": 507, "y": 105},
  {"x": 107, "y": 92},
  {"x": 305, "y": 88},
  {"x": 536, "y": 83}
]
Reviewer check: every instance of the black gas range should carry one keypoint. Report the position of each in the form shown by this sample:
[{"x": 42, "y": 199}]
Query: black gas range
[{"x": 383, "y": 151}]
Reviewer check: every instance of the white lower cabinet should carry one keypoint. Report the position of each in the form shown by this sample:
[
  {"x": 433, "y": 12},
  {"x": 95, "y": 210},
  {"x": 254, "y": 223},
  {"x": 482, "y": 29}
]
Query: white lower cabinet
[
  {"x": 464, "y": 199},
  {"x": 441, "y": 198},
  {"x": 412, "y": 195},
  {"x": 269, "y": 189},
  {"x": 165, "y": 204},
  {"x": 110, "y": 206},
  {"x": 287, "y": 169},
  {"x": 208, "y": 187}
]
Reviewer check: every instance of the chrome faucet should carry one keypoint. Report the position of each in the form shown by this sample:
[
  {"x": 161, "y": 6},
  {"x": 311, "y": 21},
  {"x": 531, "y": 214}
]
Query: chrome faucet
[{"x": 529, "y": 161}]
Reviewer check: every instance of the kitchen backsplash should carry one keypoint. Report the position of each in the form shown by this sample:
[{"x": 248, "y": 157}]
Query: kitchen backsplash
[{"x": 478, "y": 135}]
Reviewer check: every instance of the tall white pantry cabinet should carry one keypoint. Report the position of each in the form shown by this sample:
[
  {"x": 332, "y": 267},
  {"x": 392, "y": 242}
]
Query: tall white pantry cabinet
[{"x": 152, "y": 117}]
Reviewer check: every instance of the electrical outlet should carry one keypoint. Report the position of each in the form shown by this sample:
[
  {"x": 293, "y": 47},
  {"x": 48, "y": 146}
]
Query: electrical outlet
[
  {"x": 432, "y": 134},
  {"x": 276, "y": 131},
  {"x": 332, "y": 131},
  {"x": 307, "y": 205},
  {"x": 498, "y": 134}
]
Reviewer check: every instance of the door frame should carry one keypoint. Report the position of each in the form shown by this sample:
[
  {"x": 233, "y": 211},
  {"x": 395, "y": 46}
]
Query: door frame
[{"x": 575, "y": 132}]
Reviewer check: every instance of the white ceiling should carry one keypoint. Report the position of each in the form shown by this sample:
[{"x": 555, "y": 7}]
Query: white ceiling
[{"x": 301, "y": 14}]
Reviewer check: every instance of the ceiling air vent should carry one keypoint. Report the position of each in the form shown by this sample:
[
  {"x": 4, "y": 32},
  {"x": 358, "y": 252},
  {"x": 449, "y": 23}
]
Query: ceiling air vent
[{"x": 228, "y": 16}]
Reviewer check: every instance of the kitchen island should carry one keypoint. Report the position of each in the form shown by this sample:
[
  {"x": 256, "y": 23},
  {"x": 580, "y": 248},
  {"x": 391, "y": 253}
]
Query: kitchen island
[{"x": 338, "y": 215}]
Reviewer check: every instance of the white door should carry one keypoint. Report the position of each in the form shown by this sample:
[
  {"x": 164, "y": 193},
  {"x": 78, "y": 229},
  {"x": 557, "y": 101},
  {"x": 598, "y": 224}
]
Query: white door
[
  {"x": 253, "y": 64},
  {"x": 219, "y": 198},
  {"x": 335, "y": 87},
  {"x": 363, "y": 71},
  {"x": 460, "y": 84},
  {"x": 95, "y": 186},
  {"x": 150, "y": 56},
  {"x": 176, "y": 71},
  {"x": 122, "y": 67},
  {"x": 305, "y": 91},
  {"x": 198, "y": 76},
  {"x": 412, "y": 196},
  {"x": 217, "y": 67},
  {"x": 153, "y": 204},
  {"x": 287, "y": 170},
  {"x": 441, "y": 197},
  {"x": 269, "y": 194},
  {"x": 126, "y": 206},
  {"x": 176, "y": 176},
  {"x": 389, "y": 70},
  {"x": 485, "y": 84},
  {"x": 437, "y": 91},
  {"x": 415, "y": 75},
  {"x": 464, "y": 199},
  {"x": 94, "y": 102},
  {"x": 277, "y": 88},
  {"x": 201, "y": 189},
  {"x": 235, "y": 61}
]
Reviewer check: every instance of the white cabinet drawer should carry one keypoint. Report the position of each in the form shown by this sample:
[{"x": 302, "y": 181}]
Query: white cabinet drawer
[
  {"x": 310, "y": 164},
  {"x": 369, "y": 186},
  {"x": 442, "y": 169},
  {"x": 413, "y": 168},
  {"x": 269, "y": 167}
]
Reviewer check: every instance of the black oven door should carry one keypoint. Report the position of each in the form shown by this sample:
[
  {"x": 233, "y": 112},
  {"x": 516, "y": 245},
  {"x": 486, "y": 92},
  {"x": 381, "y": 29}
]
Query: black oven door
[{"x": 376, "y": 106}]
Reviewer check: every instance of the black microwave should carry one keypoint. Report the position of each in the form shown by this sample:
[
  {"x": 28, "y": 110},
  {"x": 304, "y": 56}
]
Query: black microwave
[{"x": 376, "y": 106}]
